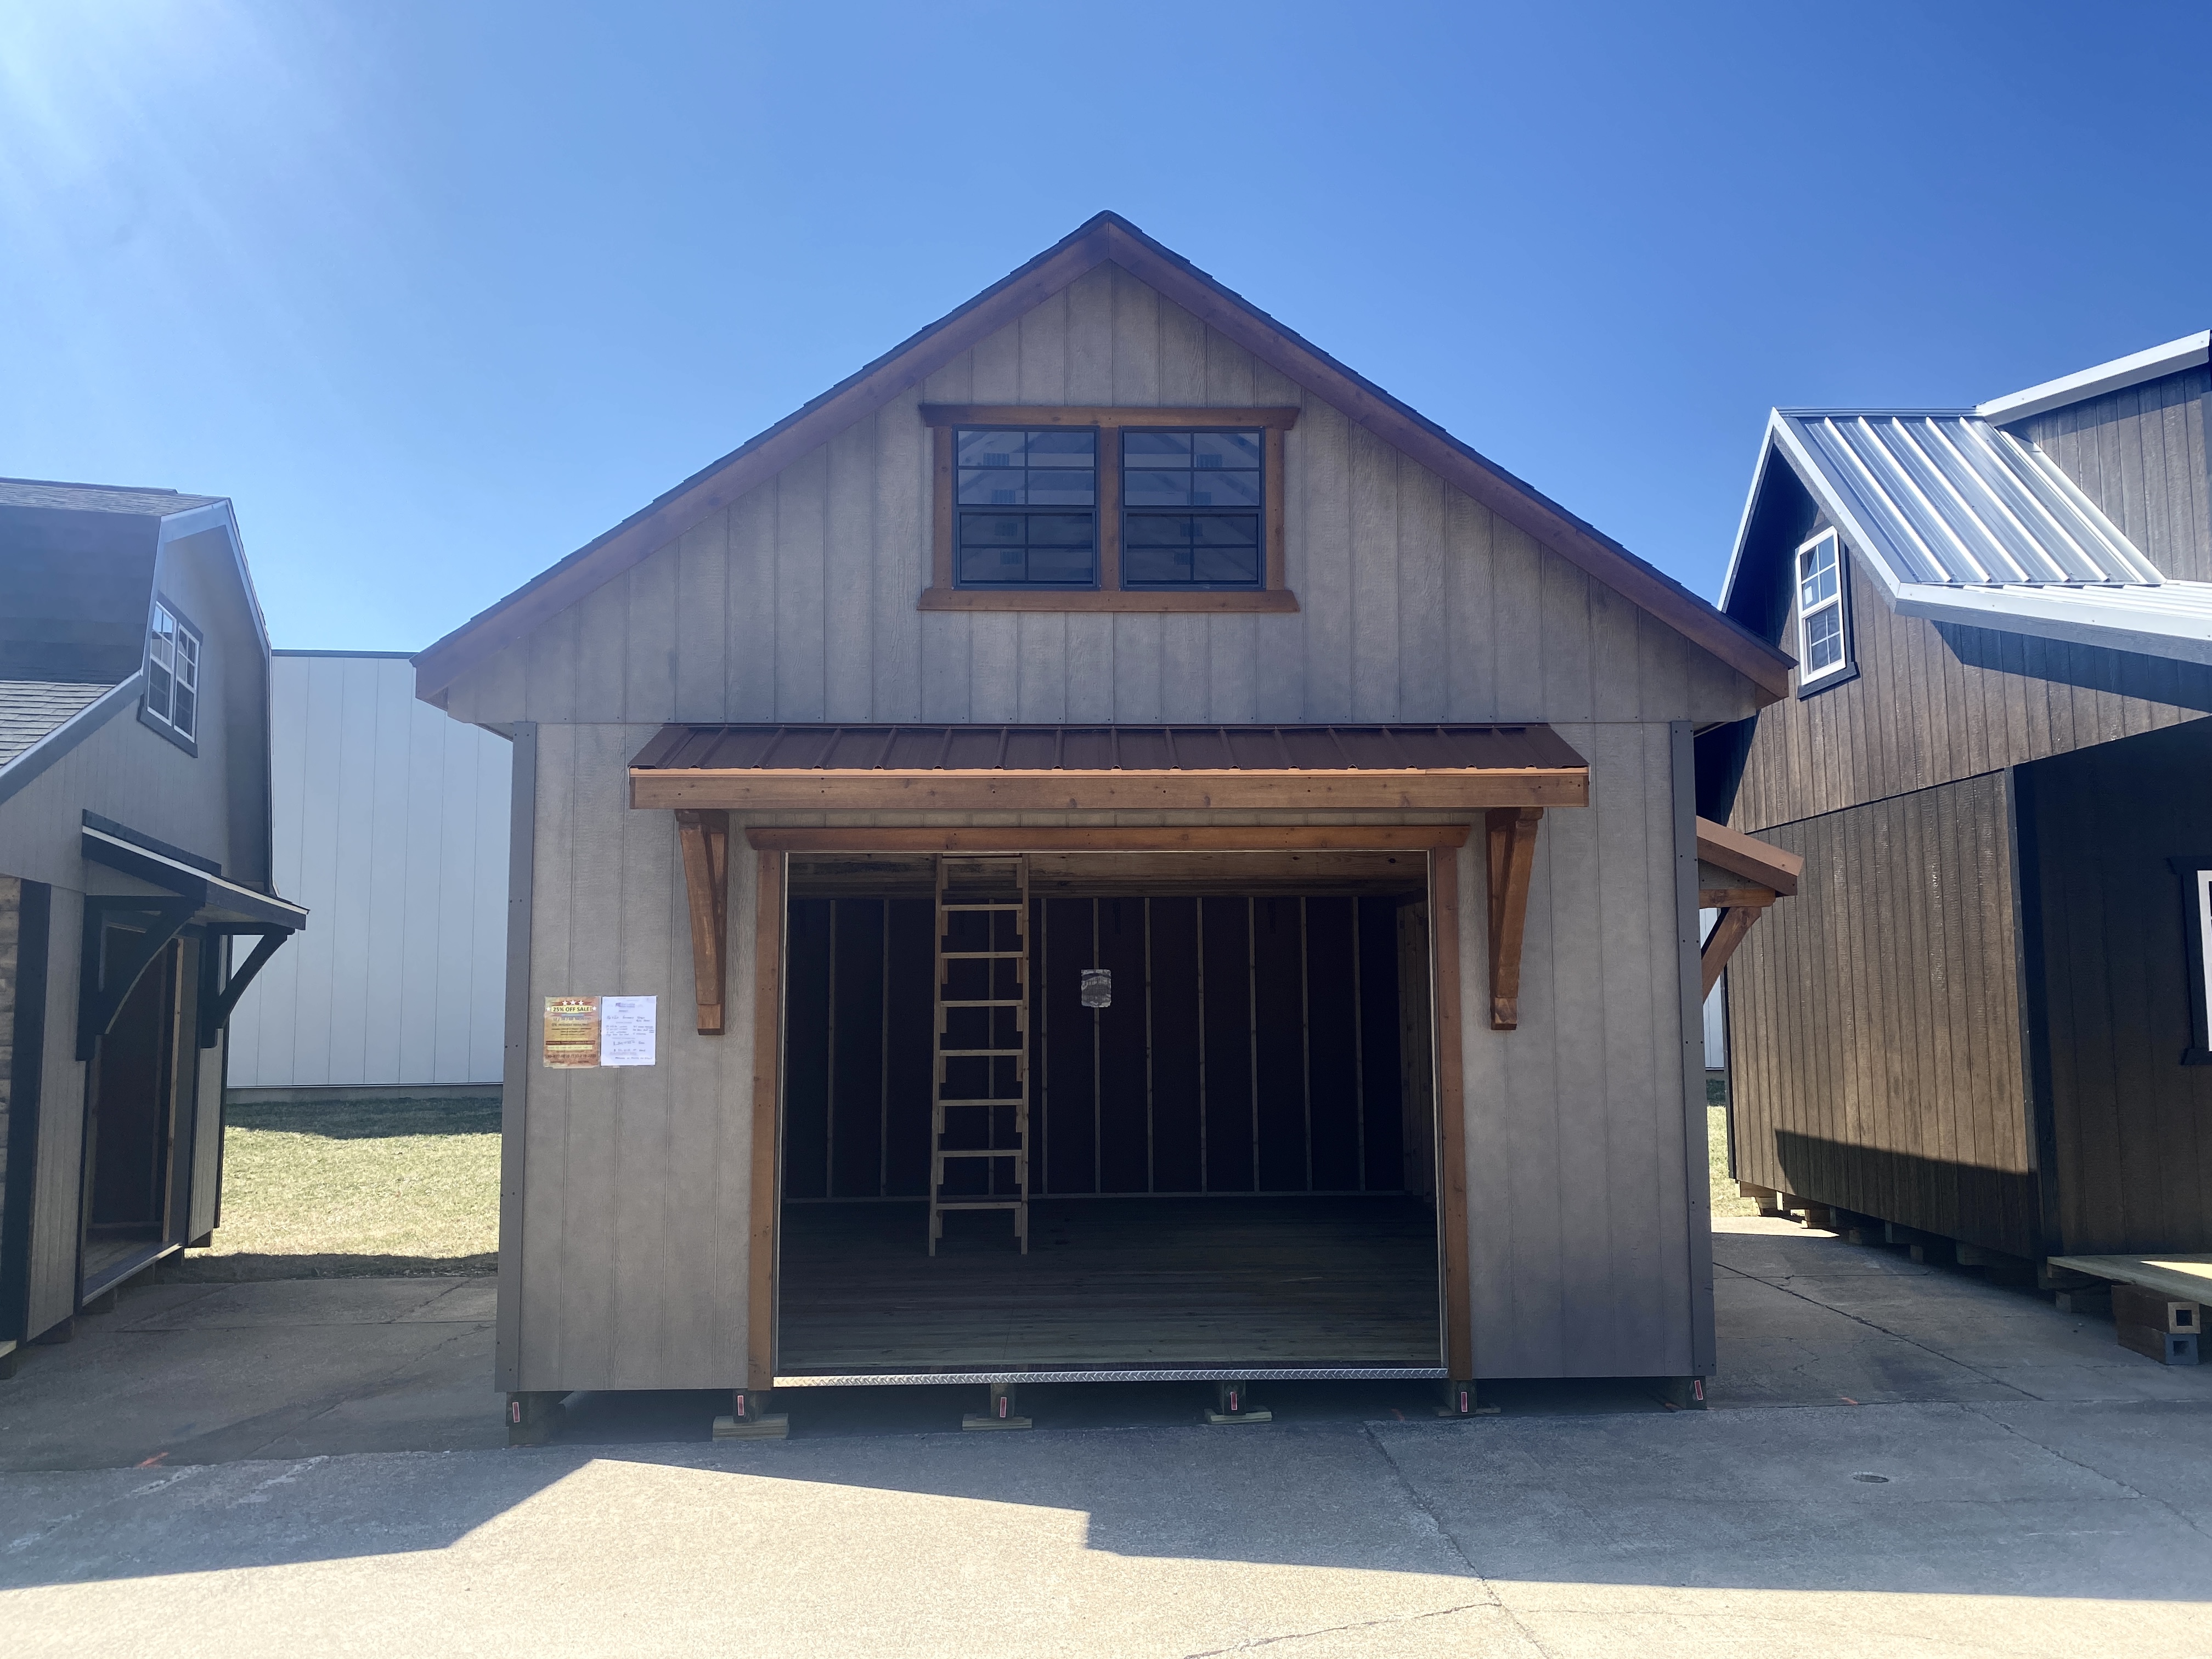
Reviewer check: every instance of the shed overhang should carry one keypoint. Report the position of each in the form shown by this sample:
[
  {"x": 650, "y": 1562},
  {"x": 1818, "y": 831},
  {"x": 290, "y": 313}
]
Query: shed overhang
[{"x": 958, "y": 768}]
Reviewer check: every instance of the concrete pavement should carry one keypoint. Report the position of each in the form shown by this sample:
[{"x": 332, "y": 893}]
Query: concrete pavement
[{"x": 2009, "y": 1481}]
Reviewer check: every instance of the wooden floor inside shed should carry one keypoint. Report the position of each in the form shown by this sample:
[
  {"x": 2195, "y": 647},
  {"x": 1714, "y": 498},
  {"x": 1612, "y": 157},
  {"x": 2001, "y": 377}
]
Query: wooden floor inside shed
[{"x": 1109, "y": 1283}]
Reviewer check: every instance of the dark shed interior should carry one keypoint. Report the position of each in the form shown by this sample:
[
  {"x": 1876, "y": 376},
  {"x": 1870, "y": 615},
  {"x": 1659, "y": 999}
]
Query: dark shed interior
[{"x": 1230, "y": 1163}]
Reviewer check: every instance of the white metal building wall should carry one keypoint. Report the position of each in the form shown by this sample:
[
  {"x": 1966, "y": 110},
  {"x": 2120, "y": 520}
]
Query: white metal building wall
[{"x": 392, "y": 827}]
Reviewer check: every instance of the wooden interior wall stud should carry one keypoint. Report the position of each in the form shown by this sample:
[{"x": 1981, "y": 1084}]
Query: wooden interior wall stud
[
  {"x": 1511, "y": 834},
  {"x": 705, "y": 835}
]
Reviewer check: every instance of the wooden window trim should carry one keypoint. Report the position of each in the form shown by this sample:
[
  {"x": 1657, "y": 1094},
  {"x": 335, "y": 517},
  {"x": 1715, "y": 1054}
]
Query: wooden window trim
[{"x": 1109, "y": 595}]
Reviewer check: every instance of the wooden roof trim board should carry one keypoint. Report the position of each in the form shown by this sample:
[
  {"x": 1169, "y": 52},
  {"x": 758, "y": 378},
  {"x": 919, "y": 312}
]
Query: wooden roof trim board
[
  {"x": 877, "y": 768},
  {"x": 1758, "y": 862},
  {"x": 1104, "y": 238}
]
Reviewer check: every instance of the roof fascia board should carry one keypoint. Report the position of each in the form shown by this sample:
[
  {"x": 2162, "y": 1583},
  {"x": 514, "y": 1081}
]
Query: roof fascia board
[
  {"x": 1750, "y": 505},
  {"x": 2061, "y": 616},
  {"x": 179, "y": 877},
  {"x": 1103, "y": 237},
  {"x": 754, "y": 462},
  {"x": 218, "y": 516},
  {"x": 70, "y": 733},
  {"x": 2153, "y": 364},
  {"x": 1366, "y": 405}
]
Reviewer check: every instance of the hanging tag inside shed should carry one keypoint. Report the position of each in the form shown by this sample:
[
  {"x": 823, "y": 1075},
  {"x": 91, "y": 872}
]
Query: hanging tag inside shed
[{"x": 1098, "y": 987}]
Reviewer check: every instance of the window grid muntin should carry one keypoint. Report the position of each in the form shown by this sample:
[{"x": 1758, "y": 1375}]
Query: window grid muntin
[
  {"x": 1823, "y": 634},
  {"x": 172, "y": 671},
  {"x": 995, "y": 509},
  {"x": 1223, "y": 544}
]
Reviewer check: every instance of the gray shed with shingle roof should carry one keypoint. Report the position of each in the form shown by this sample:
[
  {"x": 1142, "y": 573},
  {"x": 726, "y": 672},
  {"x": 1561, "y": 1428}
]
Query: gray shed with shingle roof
[{"x": 133, "y": 836}]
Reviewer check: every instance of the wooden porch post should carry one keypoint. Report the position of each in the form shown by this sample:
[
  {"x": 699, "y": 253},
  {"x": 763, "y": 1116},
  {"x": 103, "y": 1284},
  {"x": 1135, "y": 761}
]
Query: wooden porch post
[
  {"x": 1451, "y": 1112},
  {"x": 768, "y": 1060}
]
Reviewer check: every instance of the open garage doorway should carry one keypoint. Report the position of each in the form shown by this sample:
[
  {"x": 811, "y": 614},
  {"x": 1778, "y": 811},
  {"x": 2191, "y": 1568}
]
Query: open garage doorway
[{"x": 1136, "y": 1114}]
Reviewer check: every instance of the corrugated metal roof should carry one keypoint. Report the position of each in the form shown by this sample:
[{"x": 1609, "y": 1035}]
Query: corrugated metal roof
[
  {"x": 1946, "y": 498},
  {"x": 31, "y": 708},
  {"x": 1393, "y": 748}
]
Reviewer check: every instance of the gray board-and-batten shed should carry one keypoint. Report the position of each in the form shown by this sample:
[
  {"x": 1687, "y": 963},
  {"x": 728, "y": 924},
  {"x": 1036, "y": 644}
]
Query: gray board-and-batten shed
[
  {"x": 1274, "y": 672},
  {"x": 1984, "y": 1017},
  {"x": 134, "y": 847}
]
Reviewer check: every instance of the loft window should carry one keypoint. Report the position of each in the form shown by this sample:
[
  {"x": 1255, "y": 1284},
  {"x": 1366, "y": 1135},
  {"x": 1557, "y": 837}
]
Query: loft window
[
  {"x": 173, "y": 673},
  {"x": 1191, "y": 509},
  {"x": 1027, "y": 511},
  {"x": 1823, "y": 632}
]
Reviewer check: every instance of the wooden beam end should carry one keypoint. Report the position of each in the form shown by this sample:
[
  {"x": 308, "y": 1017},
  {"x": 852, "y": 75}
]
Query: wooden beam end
[{"x": 1505, "y": 1013}]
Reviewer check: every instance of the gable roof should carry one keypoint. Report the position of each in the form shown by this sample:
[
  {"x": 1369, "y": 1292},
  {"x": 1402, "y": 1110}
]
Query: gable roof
[
  {"x": 1107, "y": 237},
  {"x": 2155, "y": 364},
  {"x": 1959, "y": 521}
]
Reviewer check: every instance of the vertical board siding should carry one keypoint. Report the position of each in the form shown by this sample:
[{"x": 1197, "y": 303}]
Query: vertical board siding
[
  {"x": 2139, "y": 454},
  {"x": 2132, "y": 1125},
  {"x": 798, "y": 602},
  {"x": 391, "y": 826},
  {"x": 635, "y": 1201},
  {"x": 1578, "y": 1218},
  {"x": 1874, "y": 1021},
  {"x": 1934, "y": 704}
]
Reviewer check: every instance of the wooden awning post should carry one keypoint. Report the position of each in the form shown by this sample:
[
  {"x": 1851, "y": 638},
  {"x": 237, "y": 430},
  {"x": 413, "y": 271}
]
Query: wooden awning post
[
  {"x": 705, "y": 835},
  {"x": 1512, "y": 848}
]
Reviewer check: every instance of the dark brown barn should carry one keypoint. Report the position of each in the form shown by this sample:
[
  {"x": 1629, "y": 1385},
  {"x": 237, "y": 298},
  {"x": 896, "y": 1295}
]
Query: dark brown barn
[{"x": 1984, "y": 1016}]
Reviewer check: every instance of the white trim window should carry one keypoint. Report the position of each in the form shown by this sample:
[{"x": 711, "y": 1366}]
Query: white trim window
[
  {"x": 1823, "y": 633},
  {"x": 173, "y": 673}
]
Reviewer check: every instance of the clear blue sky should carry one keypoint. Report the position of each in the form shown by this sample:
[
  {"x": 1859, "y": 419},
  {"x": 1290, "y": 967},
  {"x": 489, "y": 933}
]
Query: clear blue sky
[{"x": 439, "y": 291}]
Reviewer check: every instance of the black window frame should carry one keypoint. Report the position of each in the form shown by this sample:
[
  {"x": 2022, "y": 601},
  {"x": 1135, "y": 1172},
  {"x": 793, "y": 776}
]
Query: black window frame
[
  {"x": 960, "y": 511},
  {"x": 1257, "y": 512}
]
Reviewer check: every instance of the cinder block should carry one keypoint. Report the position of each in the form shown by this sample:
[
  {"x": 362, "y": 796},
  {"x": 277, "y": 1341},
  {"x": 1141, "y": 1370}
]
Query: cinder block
[{"x": 2167, "y": 1347}]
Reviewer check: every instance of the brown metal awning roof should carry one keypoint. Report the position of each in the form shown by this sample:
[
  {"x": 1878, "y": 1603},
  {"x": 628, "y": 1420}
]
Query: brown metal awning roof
[{"x": 1098, "y": 768}]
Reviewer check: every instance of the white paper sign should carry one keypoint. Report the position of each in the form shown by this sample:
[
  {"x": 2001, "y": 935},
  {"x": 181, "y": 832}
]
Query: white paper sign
[{"x": 626, "y": 1025}]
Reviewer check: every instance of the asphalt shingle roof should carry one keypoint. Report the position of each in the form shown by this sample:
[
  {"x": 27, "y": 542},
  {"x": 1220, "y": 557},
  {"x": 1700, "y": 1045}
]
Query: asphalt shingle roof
[
  {"x": 99, "y": 498},
  {"x": 31, "y": 708}
]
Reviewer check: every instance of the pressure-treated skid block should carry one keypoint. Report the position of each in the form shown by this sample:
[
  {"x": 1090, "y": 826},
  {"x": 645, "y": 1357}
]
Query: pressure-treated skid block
[
  {"x": 1232, "y": 1403},
  {"x": 1461, "y": 1401},
  {"x": 1000, "y": 1414},
  {"x": 2134, "y": 1305},
  {"x": 1686, "y": 1393},
  {"x": 532, "y": 1418},
  {"x": 749, "y": 1418}
]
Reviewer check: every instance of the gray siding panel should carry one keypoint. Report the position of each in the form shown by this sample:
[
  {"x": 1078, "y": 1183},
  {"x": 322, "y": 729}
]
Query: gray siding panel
[
  {"x": 819, "y": 570},
  {"x": 57, "y": 1180},
  {"x": 1579, "y": 1224},
  {"x": 1876, "y": 1021}
]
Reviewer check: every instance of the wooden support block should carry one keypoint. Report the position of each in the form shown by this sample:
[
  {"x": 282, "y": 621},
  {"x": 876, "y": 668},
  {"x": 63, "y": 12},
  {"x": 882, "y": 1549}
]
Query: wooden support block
[
  {"x": 1935, "y": 1253},
  {"x": 1232, "y": 1403},
  {"x": 1510, "y": 833},
  {"x": 751, "y": 1420},
  {"x": 102, "y": 1304},
  {"x": 2134, "y": 1305},
  {"x": 1817, "y": 1215},
  {"x": 532, "y": 1418},
  {"x": 1894, "y": 1234},
  {"x": 1865, "y": 1234},
  {"x": 2048, "y": 1278},
  {"x": 1766, "y": 1195},
  {"x": 2087, "y": 1301},
  {"x": 705, "y": 836},
  {"x": 999, "y": 1413},
  {"x": 1682, "y": 1393},
  {"x": 2167, "y": 1347},
  {"x": 1460, "y": 1401}
]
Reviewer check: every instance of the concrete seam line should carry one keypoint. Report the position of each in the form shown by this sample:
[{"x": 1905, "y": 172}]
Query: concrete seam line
[{"x": 2132, "y": 1492}]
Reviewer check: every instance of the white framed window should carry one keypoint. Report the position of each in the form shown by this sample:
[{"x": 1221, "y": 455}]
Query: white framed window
[
  {"x": 173, "y": 673},
  {"x": 1823, "y": 628}
]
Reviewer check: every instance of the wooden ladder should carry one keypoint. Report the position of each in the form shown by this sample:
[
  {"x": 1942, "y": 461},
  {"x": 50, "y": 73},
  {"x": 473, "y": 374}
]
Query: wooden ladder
[{"x": 992, "y": 888}]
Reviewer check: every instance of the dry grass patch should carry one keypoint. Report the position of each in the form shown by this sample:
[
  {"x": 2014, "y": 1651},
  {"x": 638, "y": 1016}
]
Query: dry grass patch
[{"x": 355, "y": 1187}]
